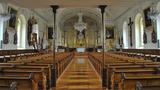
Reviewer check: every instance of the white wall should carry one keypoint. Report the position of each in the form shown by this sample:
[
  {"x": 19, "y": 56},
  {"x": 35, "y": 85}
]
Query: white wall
[
  {"x": 132, "y": 12},
  {"x": 27, "y": 14}
]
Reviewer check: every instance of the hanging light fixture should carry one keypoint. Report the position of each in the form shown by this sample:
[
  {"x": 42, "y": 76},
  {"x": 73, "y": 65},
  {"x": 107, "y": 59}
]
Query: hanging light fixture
[{"x": 80, "y": 25}]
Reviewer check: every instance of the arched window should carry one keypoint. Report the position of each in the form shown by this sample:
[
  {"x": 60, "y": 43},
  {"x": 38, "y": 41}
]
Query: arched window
[
  {"x": 125, "y": 35},
  {"x": 1, "y": 27},
  {"x": 21, "y": 32},
  {"x": 139, "y": 31},
  {"x": 158, "y": 30},
  {"x": 158, "y": 24}
]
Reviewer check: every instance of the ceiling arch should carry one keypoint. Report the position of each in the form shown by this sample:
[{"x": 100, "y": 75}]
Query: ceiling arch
[{"x": 67, "y": 13}]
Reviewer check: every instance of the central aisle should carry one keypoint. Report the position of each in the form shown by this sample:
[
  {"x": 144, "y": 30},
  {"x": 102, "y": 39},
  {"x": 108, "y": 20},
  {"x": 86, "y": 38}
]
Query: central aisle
[{"x": 79, "y": 75}]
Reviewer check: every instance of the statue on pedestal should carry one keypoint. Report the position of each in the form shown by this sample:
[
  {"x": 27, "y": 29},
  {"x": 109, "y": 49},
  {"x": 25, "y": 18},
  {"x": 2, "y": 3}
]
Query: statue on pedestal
[
  {"x": 6, "y": 37},
  {"x": 31, "y": 22}
]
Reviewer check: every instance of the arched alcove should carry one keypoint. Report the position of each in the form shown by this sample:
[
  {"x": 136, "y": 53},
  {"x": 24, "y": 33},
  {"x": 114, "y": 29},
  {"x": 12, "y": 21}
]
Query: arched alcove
[
  {"x": 21, "y": 32},
  {"x": 125, "y": 35},
  {"x": 1, "y": 26},
  {"x": 139, "y": 31},
  {"x": 158, "y": 23}
]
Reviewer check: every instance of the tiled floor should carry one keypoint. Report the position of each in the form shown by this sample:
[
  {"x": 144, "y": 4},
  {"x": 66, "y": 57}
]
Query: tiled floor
[{"x": 80, "y": 75}]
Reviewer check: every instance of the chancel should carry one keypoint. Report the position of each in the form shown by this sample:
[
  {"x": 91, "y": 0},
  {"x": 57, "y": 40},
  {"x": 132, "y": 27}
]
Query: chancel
[
  {"x": 79, "y": 45},
  {"x": 80, "y": 26}
]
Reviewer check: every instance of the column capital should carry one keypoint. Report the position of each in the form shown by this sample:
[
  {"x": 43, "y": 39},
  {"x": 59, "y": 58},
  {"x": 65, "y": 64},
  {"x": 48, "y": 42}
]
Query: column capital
[
  {"x": 54, "y": 8},
  {"x": 102, "y": 8}
]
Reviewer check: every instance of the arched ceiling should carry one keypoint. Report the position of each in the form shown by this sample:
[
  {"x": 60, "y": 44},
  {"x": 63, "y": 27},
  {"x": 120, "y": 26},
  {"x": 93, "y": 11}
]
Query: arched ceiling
[
  {"x": 67, "y": 13},
  {"x": 69, "y": 23},
  {"x": 115, "y": 7}
]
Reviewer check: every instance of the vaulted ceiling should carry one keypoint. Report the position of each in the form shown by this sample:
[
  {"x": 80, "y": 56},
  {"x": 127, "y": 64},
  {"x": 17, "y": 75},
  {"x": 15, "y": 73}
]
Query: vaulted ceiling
[
  {"x": 115, "y": 7},
  {"x": 75, "y": 3}
]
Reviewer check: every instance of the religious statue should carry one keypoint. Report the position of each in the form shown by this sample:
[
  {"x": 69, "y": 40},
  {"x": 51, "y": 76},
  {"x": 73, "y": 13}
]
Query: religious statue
[
  {"x": 120, "y": 40},
  {"x": 81, "y": 38},
  {"x": 31, "y": 22},
  {"x": 145, "y": 38},
  {"x": 41, "y": 41},
  {"x": 15, "y": 38},
  {"x": 154, "y": 37},
  {"x": 110, "y": 45},
  {"x": 6, "y": 37},
  {"x": 29, "y": 31},
  {"x": 34, "y": 40}
]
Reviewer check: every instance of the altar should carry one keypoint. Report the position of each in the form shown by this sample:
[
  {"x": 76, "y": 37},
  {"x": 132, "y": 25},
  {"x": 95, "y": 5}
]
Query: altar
[{"x": 80, "y": 50}]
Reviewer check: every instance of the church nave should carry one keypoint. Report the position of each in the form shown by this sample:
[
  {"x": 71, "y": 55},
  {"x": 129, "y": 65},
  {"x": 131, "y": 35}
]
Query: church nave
[{"x": 79, "y": 44}]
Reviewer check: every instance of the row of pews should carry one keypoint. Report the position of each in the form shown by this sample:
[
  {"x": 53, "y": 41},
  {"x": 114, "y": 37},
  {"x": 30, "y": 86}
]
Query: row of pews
[
  {"x": 128, "y": 73},
  {"x": 7, "y": 55},
  {"x": 152, "y": 54},
  {"x": 33, "y": 72}
]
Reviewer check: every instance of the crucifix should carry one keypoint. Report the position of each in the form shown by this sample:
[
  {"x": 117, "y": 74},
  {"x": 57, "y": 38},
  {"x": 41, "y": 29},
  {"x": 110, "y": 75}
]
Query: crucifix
[{"x": 130, "y": 25}]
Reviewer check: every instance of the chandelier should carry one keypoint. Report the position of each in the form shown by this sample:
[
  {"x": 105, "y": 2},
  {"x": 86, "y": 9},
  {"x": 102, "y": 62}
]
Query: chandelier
[
  {"x": 80, "y": 25},
  {"x": 153, "y": 14}
]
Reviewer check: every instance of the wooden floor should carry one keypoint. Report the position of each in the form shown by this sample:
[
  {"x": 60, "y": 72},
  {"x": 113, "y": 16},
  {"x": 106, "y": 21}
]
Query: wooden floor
[{"x": 79, "y": 75}]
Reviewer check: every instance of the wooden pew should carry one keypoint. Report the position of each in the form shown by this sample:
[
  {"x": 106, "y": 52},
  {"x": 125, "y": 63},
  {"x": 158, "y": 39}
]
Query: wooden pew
[
  {"x": 62, "y": 61},
  {"x": 150, "y": 82},
  {"x": 9, "y": 86},
  {"x": 139, "y": 86},
  {"x": 116, "y": 65},
  {"x": 26, "y": 82},
  {"x": 41, "y": 66},
  {"x": 115, "y": 75},
  {"x": 6, "y": 55},
  {"x": 42, "y": 71},
  {"x": 40, "y": 76}
]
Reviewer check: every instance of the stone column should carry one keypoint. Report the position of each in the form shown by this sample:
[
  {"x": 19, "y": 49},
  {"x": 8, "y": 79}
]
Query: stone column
[
  {"x": 104, "y": 74},
  {"x": 53, "y": 69}
]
